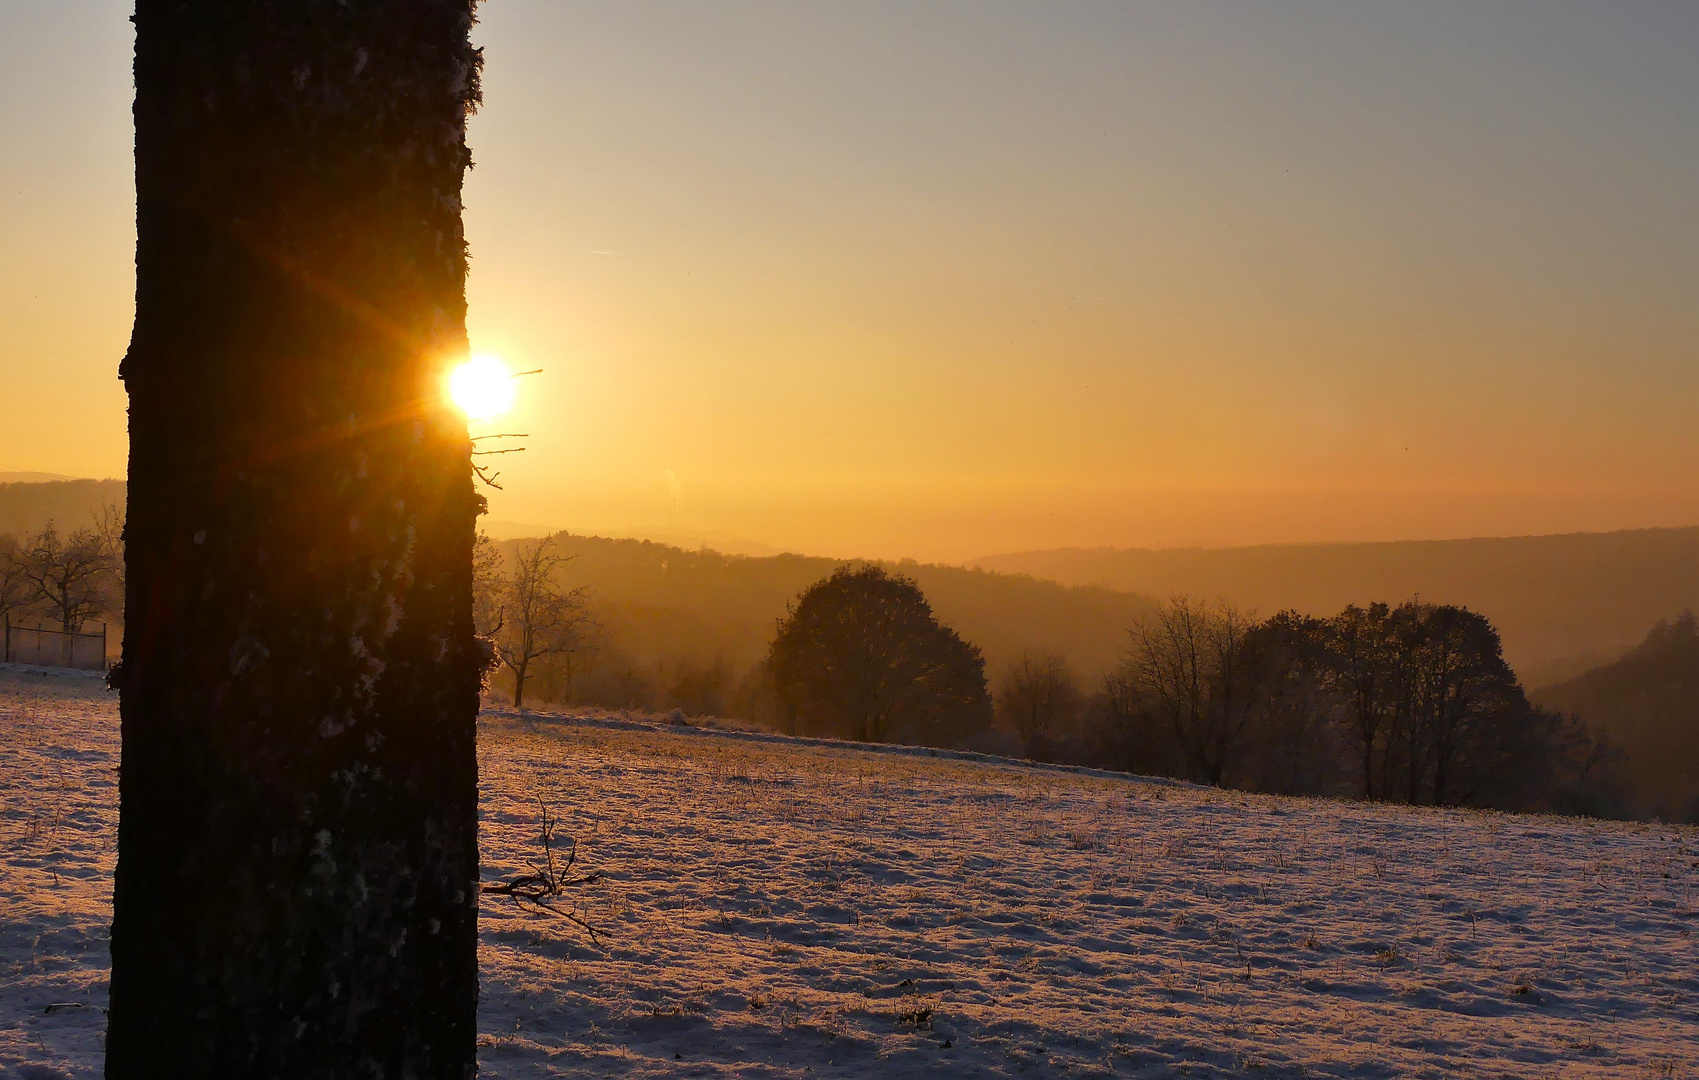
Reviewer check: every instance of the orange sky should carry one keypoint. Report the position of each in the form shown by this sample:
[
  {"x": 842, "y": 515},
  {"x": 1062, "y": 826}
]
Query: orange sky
[{"x": 949, "y": 279}]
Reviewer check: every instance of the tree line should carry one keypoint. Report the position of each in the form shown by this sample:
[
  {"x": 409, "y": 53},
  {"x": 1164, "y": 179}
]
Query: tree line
[{"x": 1411, "y": 702}]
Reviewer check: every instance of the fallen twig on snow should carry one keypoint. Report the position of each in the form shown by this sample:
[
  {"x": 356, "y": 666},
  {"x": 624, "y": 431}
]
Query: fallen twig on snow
[{"x": 550, "y": 880}]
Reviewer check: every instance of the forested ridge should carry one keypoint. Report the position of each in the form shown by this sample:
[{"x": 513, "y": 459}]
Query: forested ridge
[{"x": 1648, "y": 703}]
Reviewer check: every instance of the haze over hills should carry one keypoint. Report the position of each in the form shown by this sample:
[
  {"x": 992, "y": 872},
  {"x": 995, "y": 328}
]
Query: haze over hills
[
  {"x": 1562, "y": 603},
  {"x": 1648, "y": 702},
  {"x": 677, "y": 536},
  {"x": 665, "y": 602},
  {"x": 659, "y": 601},
  {"x": 25, "y": 506}
]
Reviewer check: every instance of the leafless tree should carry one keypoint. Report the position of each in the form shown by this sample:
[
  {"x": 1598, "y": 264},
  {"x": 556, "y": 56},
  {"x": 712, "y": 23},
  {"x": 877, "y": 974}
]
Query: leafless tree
[
  {"x": 565, "y": 674},
  {"x": 71, "y": 576},
  {"x": 1298, "y": 740},
  {"x": 1361, "y": 645},
  {"x": 488, "y": 586},
  {"x": 109, "y": 535},
  {"x": 535, "y": 619},
  {"x": 1040, "y": 697},
  {"x": 15, "y": 589},
  {"x": 1185, "y": 665}
]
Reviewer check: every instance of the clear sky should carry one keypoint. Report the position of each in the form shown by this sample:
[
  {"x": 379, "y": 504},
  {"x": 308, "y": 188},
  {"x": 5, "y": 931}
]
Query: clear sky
[{"x": 945, "y": 279}]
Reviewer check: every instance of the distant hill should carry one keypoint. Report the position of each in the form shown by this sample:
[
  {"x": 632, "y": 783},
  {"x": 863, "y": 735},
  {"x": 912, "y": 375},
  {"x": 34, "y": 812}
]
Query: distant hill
[
  {"x": 661, "y": 601},
  {"x": 1562, "y": 603},
  {"x": 26, "y": 507},
  {"x": 1648, "y": 701},
  {"x": 687, "y": 539}
]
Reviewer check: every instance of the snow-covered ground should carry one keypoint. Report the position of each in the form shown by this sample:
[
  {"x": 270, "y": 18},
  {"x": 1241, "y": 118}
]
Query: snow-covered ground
[{"x": 776, "y": 907}]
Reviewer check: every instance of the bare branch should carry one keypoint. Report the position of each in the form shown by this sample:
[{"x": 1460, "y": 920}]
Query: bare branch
[{"x": 549, "y": 881}]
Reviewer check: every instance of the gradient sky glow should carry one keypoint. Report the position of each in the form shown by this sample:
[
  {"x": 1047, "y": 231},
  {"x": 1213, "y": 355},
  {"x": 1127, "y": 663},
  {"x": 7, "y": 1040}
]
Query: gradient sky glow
[{"x": 943, "y": 279}]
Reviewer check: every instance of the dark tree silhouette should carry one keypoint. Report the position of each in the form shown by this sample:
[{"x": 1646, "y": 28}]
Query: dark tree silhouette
[
  {"x": 1435, "y": 712},
  {"x": 1360, "y": 650},
  {"x": 861, "y": 655},
  {"x": 1186, "y": 665},
  {"x": 1298, "y": 727},
  {"x": 16, "y": 593},
  {"x": 1040, "y": 697},
  {"x": 297, "y": 875},
  {"x": 1412, "y": 703},
  {"x": 69, "y": 576}
]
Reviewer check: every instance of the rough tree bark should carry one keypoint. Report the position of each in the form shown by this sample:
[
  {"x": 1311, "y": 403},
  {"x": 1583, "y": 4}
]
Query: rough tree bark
[{"x": 296, "y": 884}]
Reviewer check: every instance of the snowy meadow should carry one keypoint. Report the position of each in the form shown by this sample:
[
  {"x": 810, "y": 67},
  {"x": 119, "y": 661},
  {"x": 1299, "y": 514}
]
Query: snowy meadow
[{"x": 772, "y": 907}]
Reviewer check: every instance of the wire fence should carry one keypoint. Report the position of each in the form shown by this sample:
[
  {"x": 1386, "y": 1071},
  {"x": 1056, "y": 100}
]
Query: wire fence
[{"x": 46, "y": 647}]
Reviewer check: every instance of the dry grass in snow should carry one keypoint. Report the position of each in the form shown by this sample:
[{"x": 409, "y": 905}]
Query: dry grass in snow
[{"x": 775, "y": 907}]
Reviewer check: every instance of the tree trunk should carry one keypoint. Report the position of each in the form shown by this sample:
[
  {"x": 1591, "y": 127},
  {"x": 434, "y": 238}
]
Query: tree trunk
[
  {"x": 296, "y": 891},
  {"x": 1368, "y": 763},
  {"x": 519, "y": 685}
]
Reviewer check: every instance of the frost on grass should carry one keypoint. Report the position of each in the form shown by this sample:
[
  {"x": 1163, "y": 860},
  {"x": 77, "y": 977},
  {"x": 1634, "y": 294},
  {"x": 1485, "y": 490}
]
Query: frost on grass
[{"x": 773, "y": 907}]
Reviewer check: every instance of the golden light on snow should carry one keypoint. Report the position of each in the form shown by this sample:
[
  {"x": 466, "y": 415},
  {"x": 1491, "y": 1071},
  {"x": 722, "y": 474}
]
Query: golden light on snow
[{"x": 481, "y": 388}]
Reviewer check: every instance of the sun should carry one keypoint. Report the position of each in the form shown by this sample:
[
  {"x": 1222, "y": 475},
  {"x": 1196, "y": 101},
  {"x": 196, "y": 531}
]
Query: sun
[{"x": 482, "y": 387}]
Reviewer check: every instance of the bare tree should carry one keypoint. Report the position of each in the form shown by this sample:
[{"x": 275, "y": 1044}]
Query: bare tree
[
  {"x": 15, "y": 590},
  {"x": 109, "y": 536},
  {"x": 488, "y": 585},
  {"x": 14, "y": 587},
  {"x": 567, "y": 673},
  {"x": 536, "y": 619},
  {"x": 70, "y": 576},
  {"x": 1123, "y": 727},
  {"x": 562, "y": 670},
  {"x": 1231, "y": 694},
  {"x": 1360, "y": 641},
  {"x": 1040, "y": 697},
  {"x": 1298, "y": 731},
  {"x": 1185, "y": 665}
]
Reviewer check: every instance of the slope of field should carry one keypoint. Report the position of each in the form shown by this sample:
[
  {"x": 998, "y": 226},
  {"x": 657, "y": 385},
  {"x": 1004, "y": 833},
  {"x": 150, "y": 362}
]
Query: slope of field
[
  {"x": 785, "y": 908},
  {"x": 1562, "y": 603}
]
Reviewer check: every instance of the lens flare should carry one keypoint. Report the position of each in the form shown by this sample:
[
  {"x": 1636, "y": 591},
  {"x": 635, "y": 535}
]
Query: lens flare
[{"x": 481, "y": 388}]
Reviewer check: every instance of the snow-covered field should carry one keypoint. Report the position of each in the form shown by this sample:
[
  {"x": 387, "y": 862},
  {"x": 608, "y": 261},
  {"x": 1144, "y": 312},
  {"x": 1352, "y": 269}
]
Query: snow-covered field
[{"x": 776, "y": 907}]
